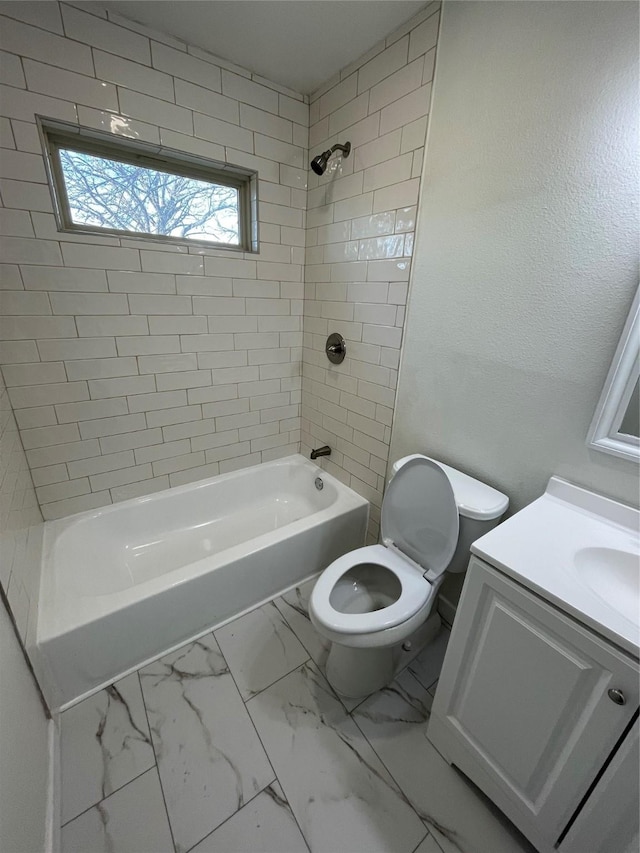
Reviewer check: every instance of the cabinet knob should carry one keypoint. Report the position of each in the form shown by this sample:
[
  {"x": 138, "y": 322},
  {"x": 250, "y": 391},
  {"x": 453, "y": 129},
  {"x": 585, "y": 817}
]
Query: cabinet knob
[{"x": 617, "y": 696}]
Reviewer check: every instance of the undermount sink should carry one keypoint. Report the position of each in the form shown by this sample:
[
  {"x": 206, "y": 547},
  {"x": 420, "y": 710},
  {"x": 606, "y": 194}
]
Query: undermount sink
[{"x": 614, "y": 576}]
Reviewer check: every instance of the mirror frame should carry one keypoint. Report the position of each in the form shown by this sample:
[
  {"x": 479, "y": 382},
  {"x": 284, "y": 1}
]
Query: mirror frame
[{"x": 623, "y": 374}]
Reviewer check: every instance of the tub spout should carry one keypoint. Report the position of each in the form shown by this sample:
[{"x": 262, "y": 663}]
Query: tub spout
[{"x": 321, "y": 451}]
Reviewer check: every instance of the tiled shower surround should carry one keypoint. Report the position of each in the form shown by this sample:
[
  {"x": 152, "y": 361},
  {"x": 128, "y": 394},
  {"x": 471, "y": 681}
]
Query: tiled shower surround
[
  {"x": 361, "y": 218},
  {"x": 133, "y": 365}
]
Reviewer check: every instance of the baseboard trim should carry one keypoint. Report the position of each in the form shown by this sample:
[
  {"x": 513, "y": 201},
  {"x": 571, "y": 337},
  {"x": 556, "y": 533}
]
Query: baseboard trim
[
  {"x": 447, "y": 610},
  {"x": 52, "y": 829}
]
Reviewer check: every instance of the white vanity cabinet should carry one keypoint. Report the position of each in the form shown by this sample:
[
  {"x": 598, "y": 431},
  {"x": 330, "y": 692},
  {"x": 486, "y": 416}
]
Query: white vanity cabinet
[
  {"x": 609, "y": 820},
  {"x": 531, "y": 706}
]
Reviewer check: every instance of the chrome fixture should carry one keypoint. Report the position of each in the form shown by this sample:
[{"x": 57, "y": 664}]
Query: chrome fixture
[
  {"x": 319, "y": 483},
  {"x": 321, "y": 451},
  {"x": 319, "y": 163},
  {"x": 617, "y": 696},
  {"x": 335, "y": 348}
]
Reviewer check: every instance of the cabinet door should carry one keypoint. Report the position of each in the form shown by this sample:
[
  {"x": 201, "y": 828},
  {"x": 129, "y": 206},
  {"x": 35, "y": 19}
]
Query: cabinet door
[
  {"x": 522, "y": 704},
  {"x": 608, "y": 822}
]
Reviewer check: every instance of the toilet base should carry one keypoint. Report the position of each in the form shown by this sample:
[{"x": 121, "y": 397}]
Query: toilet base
[{"x": 358, "y": 672}]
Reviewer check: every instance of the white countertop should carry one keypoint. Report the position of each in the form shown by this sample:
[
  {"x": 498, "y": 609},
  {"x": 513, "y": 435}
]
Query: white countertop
[{"x": 537, "y": 547}]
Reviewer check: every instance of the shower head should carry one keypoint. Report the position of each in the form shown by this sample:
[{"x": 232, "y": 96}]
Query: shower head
[{"x": 319, "y": 163}]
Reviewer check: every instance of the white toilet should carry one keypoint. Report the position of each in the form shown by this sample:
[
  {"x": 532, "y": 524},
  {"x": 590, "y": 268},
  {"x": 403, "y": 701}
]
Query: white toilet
[{"x": 371, "y": 600}]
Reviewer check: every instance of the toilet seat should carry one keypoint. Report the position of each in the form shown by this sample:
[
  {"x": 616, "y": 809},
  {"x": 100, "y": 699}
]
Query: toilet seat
[
  {"x": 416, "y": 591},
  {"x": 420, "y": 528},
  {"x": 420, "y": 515}
]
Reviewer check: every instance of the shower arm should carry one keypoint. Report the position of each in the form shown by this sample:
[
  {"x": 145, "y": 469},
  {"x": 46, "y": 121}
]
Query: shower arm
[{"x": 319, "y": 163}]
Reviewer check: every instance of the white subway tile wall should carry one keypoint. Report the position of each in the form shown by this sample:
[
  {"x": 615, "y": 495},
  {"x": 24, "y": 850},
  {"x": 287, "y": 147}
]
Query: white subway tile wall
[
  {"x": 360, "y": 223},
  {"x": 20, "y": 524},
  {"x": 134, "y": 366}
]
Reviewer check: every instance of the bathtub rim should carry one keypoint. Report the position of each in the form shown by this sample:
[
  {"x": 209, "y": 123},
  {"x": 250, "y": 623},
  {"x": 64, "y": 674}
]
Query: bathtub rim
[
  {"x": 54, "y": 624},
  {"x": 61, "y": 524}
]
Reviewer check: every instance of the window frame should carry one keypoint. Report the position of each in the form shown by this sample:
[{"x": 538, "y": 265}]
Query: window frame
[{"x": 56, "y": 135}]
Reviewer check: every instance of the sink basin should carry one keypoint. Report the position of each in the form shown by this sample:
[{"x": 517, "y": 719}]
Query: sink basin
[
  {"x": 581, "y": 552},
  {"x": 614, "y": 576}
]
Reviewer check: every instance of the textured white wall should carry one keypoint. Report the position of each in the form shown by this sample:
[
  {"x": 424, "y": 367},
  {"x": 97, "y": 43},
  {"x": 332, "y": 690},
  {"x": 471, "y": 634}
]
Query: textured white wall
[
  {"x": 526, "y": 246},
  {"x": 24, "y": 751}
]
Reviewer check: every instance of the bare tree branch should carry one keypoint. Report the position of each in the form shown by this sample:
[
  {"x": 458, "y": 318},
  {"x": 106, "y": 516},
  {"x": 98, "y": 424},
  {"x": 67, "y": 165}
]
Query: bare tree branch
[{"x": 111, "y": 194}]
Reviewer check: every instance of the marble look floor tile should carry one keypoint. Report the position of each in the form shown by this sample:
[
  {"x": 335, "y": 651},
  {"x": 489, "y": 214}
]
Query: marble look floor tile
[
  {"x": 394, "y": 721},
  {"x": 133, "y": 820},
  {"x": 349, "y": 703},
  {"x": 429, "y": 845},
  {"x": 260, "y": 648},
  {"x": 341, "y": 794},
  {"x": 265, "y": 825},
  {"x": 210, "y": 759},
  {"x": 294, "y": 606},
  {"x": 426, "y": 666},
  {"x": 104, "y": 744}
]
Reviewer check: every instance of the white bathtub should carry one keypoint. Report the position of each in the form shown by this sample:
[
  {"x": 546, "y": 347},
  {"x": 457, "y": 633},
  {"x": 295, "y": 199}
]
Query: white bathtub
[{"x": 124, "y": 584}]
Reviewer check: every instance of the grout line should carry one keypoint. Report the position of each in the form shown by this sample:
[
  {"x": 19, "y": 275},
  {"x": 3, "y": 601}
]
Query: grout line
[
  {"x": 258, "y": 607},
  {"x": 421, "y": 842},
  {"x": 255, "y": 727},
  {"x": 269, "y": 757},
  {"x": 155, "y": 755},
  {"x": 235, "y": 684},
  {"x": 115, "y": 791},
  {"x": 295, "y": 669},
  {"x": 319, "y": 666},
  {"x": 227, "y": 819},
  {"x": 275, "y": 775},
  {"x": 253, "y": 695},
  {"x": 404, "y": 796},
  {"x": 291, "y": 626},
  {"x": 435, "y": 840},
  {"x": 293, "y": 815},
  {"x": 5, "y": 13}
]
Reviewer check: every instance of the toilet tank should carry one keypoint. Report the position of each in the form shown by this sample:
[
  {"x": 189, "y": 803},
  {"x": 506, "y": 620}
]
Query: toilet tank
[{"x": 480, "y": 508}]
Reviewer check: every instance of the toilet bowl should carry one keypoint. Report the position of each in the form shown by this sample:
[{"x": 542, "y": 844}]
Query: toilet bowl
[{"x": 370, "y": 601}]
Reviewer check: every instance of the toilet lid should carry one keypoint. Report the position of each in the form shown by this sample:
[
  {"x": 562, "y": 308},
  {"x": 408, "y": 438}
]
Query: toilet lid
[{"x": 420, "y": 515}]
